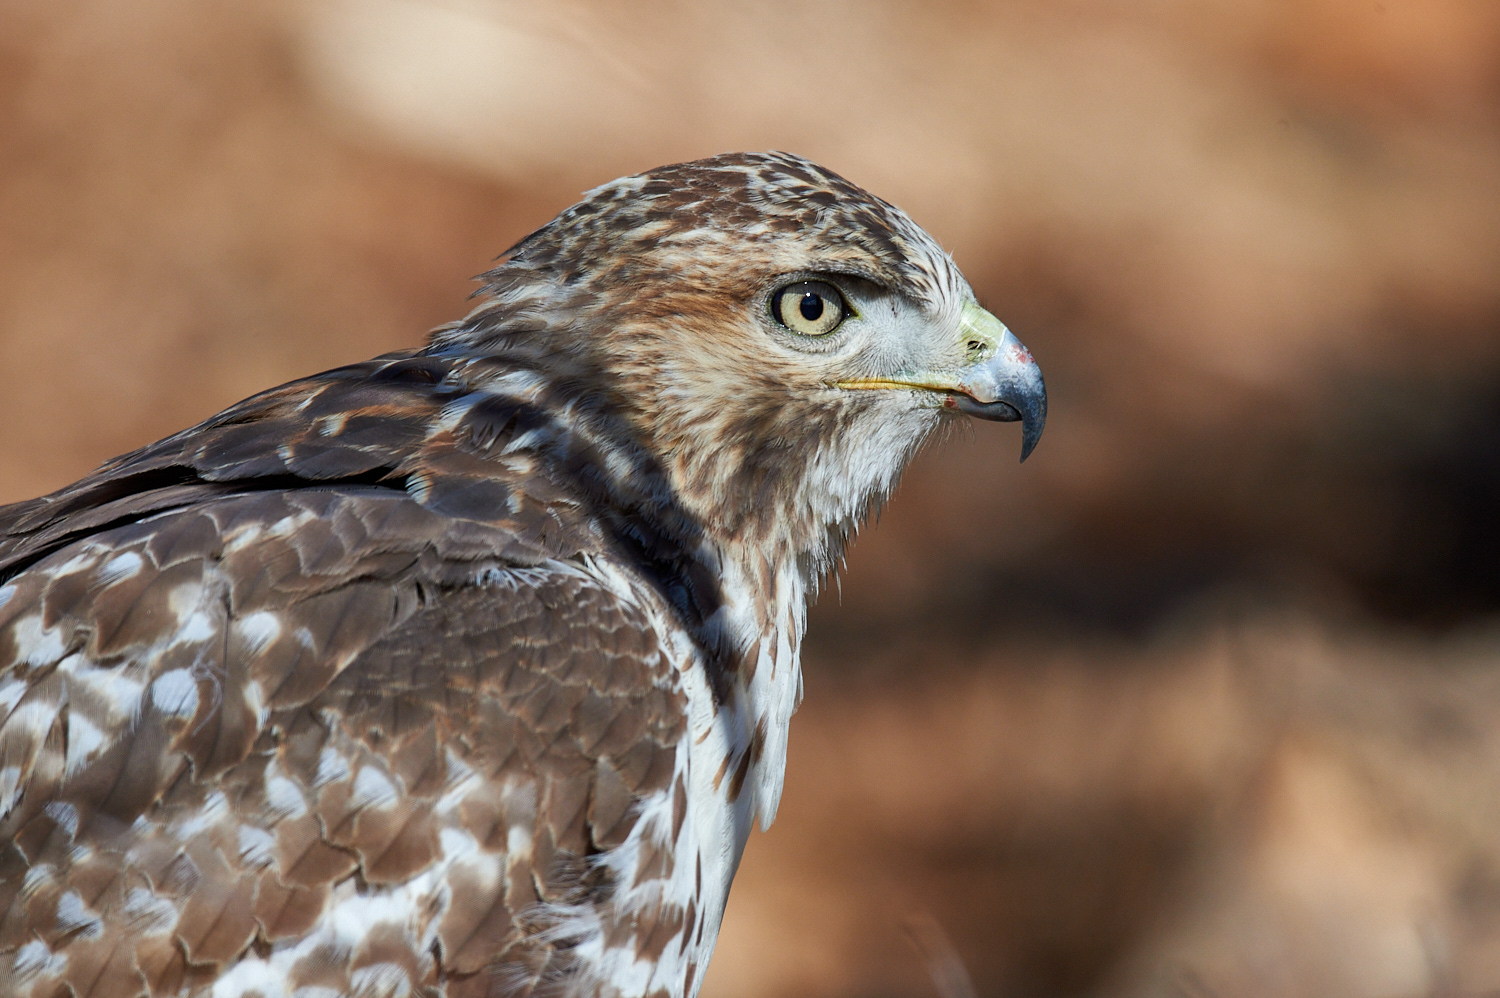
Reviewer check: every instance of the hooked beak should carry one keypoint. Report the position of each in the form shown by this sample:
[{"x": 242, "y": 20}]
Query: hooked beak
[
  {"x": 999, "y": 379},
  {"x": 1003, "y": 382}
]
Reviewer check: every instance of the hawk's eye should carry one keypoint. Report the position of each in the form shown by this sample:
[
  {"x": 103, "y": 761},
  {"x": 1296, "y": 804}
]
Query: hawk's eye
[{"x": 811, "y": 308}]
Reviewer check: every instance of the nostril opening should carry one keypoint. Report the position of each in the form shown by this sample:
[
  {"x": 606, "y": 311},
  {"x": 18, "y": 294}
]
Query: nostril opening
[{"x": 975, "y": 344}]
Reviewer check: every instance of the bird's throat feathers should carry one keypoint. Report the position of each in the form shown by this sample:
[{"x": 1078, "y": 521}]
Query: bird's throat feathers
[
  {"x": 692, "y": 422},
  {"x": 764, "y": 483}
]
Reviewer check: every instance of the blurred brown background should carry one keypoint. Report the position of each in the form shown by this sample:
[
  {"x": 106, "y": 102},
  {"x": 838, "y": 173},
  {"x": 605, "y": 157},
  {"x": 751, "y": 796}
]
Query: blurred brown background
[{"x": 1202, "y": 701}]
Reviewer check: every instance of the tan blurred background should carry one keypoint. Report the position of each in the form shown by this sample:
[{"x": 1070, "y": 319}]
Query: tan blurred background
[{"x": 1202, "y": 701}]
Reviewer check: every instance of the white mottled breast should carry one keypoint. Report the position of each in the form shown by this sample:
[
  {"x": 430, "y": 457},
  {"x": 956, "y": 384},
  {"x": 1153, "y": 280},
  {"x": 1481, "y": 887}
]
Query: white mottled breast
[{"x": 721, "y": 807}]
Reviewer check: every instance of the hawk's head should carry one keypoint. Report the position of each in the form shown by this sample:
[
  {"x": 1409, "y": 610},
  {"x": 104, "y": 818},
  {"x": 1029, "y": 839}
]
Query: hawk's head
[{"x": 781, "y": 338}]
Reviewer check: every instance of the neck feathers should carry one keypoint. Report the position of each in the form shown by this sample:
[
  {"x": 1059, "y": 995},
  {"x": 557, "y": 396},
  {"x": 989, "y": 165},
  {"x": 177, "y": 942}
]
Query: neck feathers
[{"x": 727, "y": 482}]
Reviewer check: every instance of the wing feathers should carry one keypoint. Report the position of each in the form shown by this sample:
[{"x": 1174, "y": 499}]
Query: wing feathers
[
  {"x": 230, "y": 710},
  {"x": 320, "y": 691}
]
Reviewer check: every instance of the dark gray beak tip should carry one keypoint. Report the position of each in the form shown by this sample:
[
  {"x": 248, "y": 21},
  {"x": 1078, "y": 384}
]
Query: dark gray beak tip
[
  {"x": 1027, "y": 405},
  {"x": 1032, "y": 421},
  {"x": 1029, "y": 437}
]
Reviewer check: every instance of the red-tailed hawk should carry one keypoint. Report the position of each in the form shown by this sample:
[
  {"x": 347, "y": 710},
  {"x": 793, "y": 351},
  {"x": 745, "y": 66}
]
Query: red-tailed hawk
[{"x": 465, "y": 671}]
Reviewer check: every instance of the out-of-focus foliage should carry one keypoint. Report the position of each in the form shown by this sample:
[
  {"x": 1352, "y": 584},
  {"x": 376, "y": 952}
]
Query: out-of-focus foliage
[{"x": 1205, "y": 699}]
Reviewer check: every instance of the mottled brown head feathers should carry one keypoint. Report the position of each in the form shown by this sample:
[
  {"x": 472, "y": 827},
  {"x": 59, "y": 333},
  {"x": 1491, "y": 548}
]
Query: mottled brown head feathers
[
  {"x": 630, "y": 227},
  {"x": 648, "y": 296}
]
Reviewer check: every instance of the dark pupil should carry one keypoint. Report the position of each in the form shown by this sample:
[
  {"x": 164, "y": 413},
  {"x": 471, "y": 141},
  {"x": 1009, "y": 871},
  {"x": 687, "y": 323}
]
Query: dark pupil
[{"x": 811, "y": 306}]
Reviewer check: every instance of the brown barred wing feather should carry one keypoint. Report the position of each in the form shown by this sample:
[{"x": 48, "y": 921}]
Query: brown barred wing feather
[{"x": 235, "y": 733}]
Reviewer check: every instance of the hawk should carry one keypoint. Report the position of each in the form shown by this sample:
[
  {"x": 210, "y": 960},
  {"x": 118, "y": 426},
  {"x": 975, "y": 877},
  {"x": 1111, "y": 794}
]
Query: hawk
[{"x": 466, "y": 670}]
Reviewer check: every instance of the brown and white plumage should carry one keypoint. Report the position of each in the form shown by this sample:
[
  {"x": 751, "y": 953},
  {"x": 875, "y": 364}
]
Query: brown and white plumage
[{"x": 466, "y": 671}]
